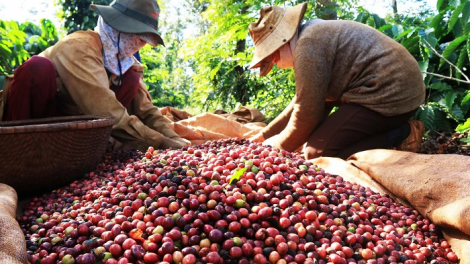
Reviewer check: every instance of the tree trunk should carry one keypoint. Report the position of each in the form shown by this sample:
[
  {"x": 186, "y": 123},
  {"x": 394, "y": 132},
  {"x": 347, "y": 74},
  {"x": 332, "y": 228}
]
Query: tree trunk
[
  {"x": 326, "y": 9},
  {"x": 395, "y": 10},
  {"x": 241, "y": 46}
]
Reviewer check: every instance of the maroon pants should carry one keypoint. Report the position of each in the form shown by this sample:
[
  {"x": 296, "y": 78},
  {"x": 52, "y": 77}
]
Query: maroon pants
[
  {"x": 32, "y": 93},
  {"x": 128, "y": 89},
  {"x": 354, "y": 128}
]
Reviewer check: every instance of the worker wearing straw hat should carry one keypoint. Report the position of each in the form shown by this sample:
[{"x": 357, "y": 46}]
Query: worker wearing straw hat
[
  {"x": 373, "y": 80},
  {"x": 95, "y": 73}
]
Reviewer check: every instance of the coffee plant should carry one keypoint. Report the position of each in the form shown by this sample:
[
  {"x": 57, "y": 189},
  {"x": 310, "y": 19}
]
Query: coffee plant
[
  {"x": 76, "y": 15},
  {"x": 20, "y": 41},
  {"x": 441, "y": 45}
]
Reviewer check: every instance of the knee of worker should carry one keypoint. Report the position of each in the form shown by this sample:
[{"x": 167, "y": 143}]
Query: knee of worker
[
  {"x": 39, "y": 65},
  {"x": 310, "y": 152}
]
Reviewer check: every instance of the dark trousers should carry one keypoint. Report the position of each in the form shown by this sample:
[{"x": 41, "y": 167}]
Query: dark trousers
[
  {"x": 354, "y": 128},
  {"x": 32, "y": 93}
]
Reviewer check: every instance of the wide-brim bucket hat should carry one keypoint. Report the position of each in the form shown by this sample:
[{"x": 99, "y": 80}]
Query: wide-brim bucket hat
[
  {"x": 275, "y": 27},
  {"x": 132, "y": 16}
]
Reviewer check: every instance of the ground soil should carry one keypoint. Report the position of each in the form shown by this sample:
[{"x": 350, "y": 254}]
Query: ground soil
[{"x": 445, "y": 143}]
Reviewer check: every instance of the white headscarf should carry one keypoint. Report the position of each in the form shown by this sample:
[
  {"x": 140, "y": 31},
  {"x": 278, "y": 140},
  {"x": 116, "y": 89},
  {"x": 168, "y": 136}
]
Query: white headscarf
[{"x": 128, "y": 45}]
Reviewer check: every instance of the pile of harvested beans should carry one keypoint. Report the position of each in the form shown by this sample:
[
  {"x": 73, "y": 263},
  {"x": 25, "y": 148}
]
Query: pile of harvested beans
[{"x": 227, "y": 201}]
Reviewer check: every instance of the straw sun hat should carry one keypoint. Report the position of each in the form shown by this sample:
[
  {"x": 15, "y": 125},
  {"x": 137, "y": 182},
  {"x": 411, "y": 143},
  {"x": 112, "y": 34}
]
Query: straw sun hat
[
  {"x": 275, "y": 27},
  {"x": 132, "y": 16}
]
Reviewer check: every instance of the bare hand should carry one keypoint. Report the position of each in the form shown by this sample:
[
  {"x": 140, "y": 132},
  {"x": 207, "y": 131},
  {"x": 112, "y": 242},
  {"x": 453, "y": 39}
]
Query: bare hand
[
  {"x": 258, "y": 138},
  {"x": 273, "y": 141}
]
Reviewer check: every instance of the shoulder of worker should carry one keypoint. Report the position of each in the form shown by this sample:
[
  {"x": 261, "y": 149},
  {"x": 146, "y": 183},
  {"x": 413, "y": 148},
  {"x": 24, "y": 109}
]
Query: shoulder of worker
[
  {"x": 77, "y": 42},
  {"x": 312, "y": 27}
]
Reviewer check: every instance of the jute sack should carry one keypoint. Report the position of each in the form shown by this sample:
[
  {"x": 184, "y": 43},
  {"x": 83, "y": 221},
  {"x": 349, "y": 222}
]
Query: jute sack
[
  {"x": 204, "y": 127},
  {"x": 243, "y": 115},
  {"x": 435, "y": 185},
  {"x": 12, "y": 242}
]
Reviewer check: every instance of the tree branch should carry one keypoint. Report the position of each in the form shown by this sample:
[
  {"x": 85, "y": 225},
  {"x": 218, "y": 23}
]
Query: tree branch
[
  {"x": 446, "y": 77},
  {"x": 457, "y": 68}
]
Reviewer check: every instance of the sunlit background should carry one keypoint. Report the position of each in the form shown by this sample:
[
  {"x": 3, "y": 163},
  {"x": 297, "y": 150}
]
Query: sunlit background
[{"x": 33, "y": 10}]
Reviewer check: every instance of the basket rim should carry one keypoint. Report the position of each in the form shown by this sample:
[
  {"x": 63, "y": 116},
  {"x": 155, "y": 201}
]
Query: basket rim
[{"x": 56, "y": 124}]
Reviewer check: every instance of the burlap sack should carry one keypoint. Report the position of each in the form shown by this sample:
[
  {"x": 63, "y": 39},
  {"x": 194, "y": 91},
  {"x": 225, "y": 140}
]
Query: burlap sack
[
  {"x": 204, "y": 127},
  {"x": 174, "y": 114},
  {"x": 243, "y": 115},
  {"x": 12, "y": 242},
  {"x": 435, "y": 185},
  {"x": 201, "y": 128}
]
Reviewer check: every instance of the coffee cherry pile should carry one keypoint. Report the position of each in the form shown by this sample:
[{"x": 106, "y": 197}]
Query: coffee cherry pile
[{"x": 227, "y": 201}]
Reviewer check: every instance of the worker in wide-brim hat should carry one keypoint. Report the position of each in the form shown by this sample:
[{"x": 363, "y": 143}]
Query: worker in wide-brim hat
[
  {"x": 95, "y": 73},
  {"x": 373, "y": 80}
]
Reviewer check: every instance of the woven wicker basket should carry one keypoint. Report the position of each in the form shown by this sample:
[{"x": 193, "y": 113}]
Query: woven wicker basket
[{"x": 42, "y": 154}]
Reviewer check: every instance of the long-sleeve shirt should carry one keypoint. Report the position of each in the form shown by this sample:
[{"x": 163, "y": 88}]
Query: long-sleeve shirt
[
  {"x": 345, "y": 62},
  {"x": 83, "y": 87}
]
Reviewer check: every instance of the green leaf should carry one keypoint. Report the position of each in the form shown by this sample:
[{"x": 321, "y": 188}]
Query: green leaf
[
  {"x": 214, "y": 71},
  {"x": 455, "y": 16},
  {"x": 437, "y": 24},
  {"x": 458, "y": 30},
  {"x": 238, "y": 174},
  {"x": 468, "y": 47},
  {"x": 450, "y": 98},
  {"x": 407, "y": 33},
  {"x": 465, "y": 19},
  {"x": 457, "y": 113},
  {"x": 379, "y": 22},
  {"x": 451, "y": 48},
  {"x": 423, "y": 65},
  {"x": 466, "y": 99},
  {"x": 426, "y": 114},
  {"x": 441, "y": 4},
  {"x": 395, "y": 31},
  {"x": 461, "y": 62},
  {"x": 464, "y": 127},
  {"x": 385, "y": 27},
  {"x": 440, "y": 86},
  {"x": 411, "y": 43},
  {"x": 454, "y": 3}
]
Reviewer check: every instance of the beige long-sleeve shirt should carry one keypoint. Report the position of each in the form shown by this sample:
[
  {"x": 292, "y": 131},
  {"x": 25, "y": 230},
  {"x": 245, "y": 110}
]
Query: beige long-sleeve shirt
[
  {"x": 345, "y": 62},
  {"x": 83, "y": 87}
]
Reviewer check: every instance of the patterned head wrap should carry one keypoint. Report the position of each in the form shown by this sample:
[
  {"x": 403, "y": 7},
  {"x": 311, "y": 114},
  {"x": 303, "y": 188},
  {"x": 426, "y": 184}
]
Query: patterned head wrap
[{"x": 119, "y": 47}]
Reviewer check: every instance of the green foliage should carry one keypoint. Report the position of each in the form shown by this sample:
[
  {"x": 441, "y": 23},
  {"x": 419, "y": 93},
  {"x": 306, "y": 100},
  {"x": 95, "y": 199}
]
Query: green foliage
[
  {"x": 76, "y": 15},
  {"x": 12, "y": 52},
  {"x": 464, "y": 126},
  {"x": 209, "y": 68},
  {"x": 18, "y": 42},
  {"x": 440, "y": 43},
  {"x": 165, "y": 73},
  {"x": 220, "y": 53}
]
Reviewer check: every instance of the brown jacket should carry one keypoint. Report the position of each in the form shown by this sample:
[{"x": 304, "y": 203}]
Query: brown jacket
[
  {"x": 83, "y": 88},
  {"x": 343, "y": 62}
]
